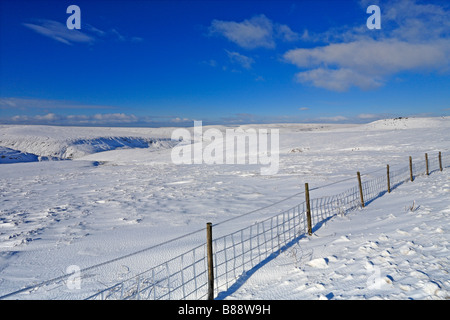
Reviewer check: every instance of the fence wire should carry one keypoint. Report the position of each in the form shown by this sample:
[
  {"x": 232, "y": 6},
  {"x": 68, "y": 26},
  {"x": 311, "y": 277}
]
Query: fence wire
[
  {"x": 239, "y": 252},
  {"x": 186, "y": 275},
  {"x": 183, "y": 277}
]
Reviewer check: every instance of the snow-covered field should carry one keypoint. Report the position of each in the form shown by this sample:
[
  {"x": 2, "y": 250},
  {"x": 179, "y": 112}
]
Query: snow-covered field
[
  {"x": 396, "y": 248},
  {"x": 120, "y": 193}
]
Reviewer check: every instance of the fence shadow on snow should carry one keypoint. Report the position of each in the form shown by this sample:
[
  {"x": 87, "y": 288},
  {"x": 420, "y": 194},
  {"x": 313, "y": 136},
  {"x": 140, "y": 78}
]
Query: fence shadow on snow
[{"x": 238, "y": 255}]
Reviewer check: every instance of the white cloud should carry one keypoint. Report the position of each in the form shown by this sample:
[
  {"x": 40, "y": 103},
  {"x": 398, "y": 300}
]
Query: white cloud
[
  {"x": 374, "y": 56},
  {"x": 249, "y": 34},
  {"x": 78, "y": 117},
  {"x": 47, "y": 117},
  {"x": 181, "y": 120},
  {"x": 96, "y": 119},
  {"x": 244, "y": 61},
  {"x": 410, "y": 20},
  {"x": 257, "y": 32},
  {"x": 286, "y": 34},
  {"x": 114, "y": 117},
  {"x": 19, "y": 118},
  {"x": 416, "y": 39},
  {"x": 88, "y": 33},
  {"x": 333, "y": 119},
  {"x": 118, "y": 35},
  {"x": 367, "y": 63},
  {"x": 35, "y": 103},
  {"x": 211, "y": 63},
  {"x": 59, "y": 32},
  {"x": 368, "y": 116},
  {"x": 336, "y": 80}
]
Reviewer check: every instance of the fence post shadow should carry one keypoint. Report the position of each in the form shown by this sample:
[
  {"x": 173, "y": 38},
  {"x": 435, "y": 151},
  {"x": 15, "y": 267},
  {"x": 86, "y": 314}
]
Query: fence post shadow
[
  {"x": 435, "y": 170},
  {"x": 247, "y": 274},
  {"x": 398, "y": 184},
  {"x": 166, "y": 286},
  {"x": 379, "y": 195}
]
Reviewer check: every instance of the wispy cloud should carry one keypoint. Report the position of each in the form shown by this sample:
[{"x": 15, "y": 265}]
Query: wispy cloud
[
  {"x": 96, "y": 119},
  {"x": 241, "y": 118},
  {"x": 88, "y": 33},
  {"x": 179, "y": 120},
  {"x": 414, "y": 38},
  {"x": 242, "y": 60},
  {"x": 285, "y": 33},
  {"x": 36, "y": 103},
  {"x": 368, "y": 116},
  {"x": 333, "y": 119},
  {"x": 247, "y": 118},
  {"x": 211, "y": 63},
  {"x": 59, "y": 32},
  {"x": 131, "y": 120},
  {"x": 257, "y": 32},
  {"x": 62, "y": 112}
]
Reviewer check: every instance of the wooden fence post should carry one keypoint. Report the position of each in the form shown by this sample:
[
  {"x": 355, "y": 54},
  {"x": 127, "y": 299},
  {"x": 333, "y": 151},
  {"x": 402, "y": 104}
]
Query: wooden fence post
[
  {"x": 360, "y": 189},
  {"x": 209, "y": 251},
  {"x": 440, "y": 161},
  {"x": 308, "y": 209},
  {"x": 388, "y": 180},
  {"x": 426, "y": 163},
  {"x": 411, "y": 169}
]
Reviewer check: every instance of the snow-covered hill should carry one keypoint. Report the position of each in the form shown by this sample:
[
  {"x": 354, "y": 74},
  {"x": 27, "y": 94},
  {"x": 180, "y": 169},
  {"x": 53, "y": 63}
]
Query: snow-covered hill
[
  {"x": 123, "y": 194},
  {"x": 408, "y": 123},
  {"x": 57, "y": 143}
]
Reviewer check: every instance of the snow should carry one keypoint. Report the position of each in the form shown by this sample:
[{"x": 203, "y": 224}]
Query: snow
[
  {"x": 57, "y": 143},
  {"x": 384, "y": 251},
  {"x": 8, "y": 155},
  {"x": 120, "y": 193}
]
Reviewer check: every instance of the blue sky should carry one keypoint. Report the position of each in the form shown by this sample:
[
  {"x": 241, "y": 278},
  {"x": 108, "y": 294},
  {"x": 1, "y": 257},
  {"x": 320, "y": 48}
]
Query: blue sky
[{"x": 167, "y": 63}]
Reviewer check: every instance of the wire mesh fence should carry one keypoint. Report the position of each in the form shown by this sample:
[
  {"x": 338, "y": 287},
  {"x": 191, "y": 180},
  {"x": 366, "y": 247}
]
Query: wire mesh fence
[
  {"x": 237, "y": 253},
  {"x": 185, "y": 276},
  {"x": 240, "y": 251}
]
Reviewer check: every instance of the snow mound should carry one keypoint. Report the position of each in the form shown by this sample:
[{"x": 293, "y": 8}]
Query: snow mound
[
  {"x": 320, "y": 263},
  {"x": 409, "y": 123}
]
